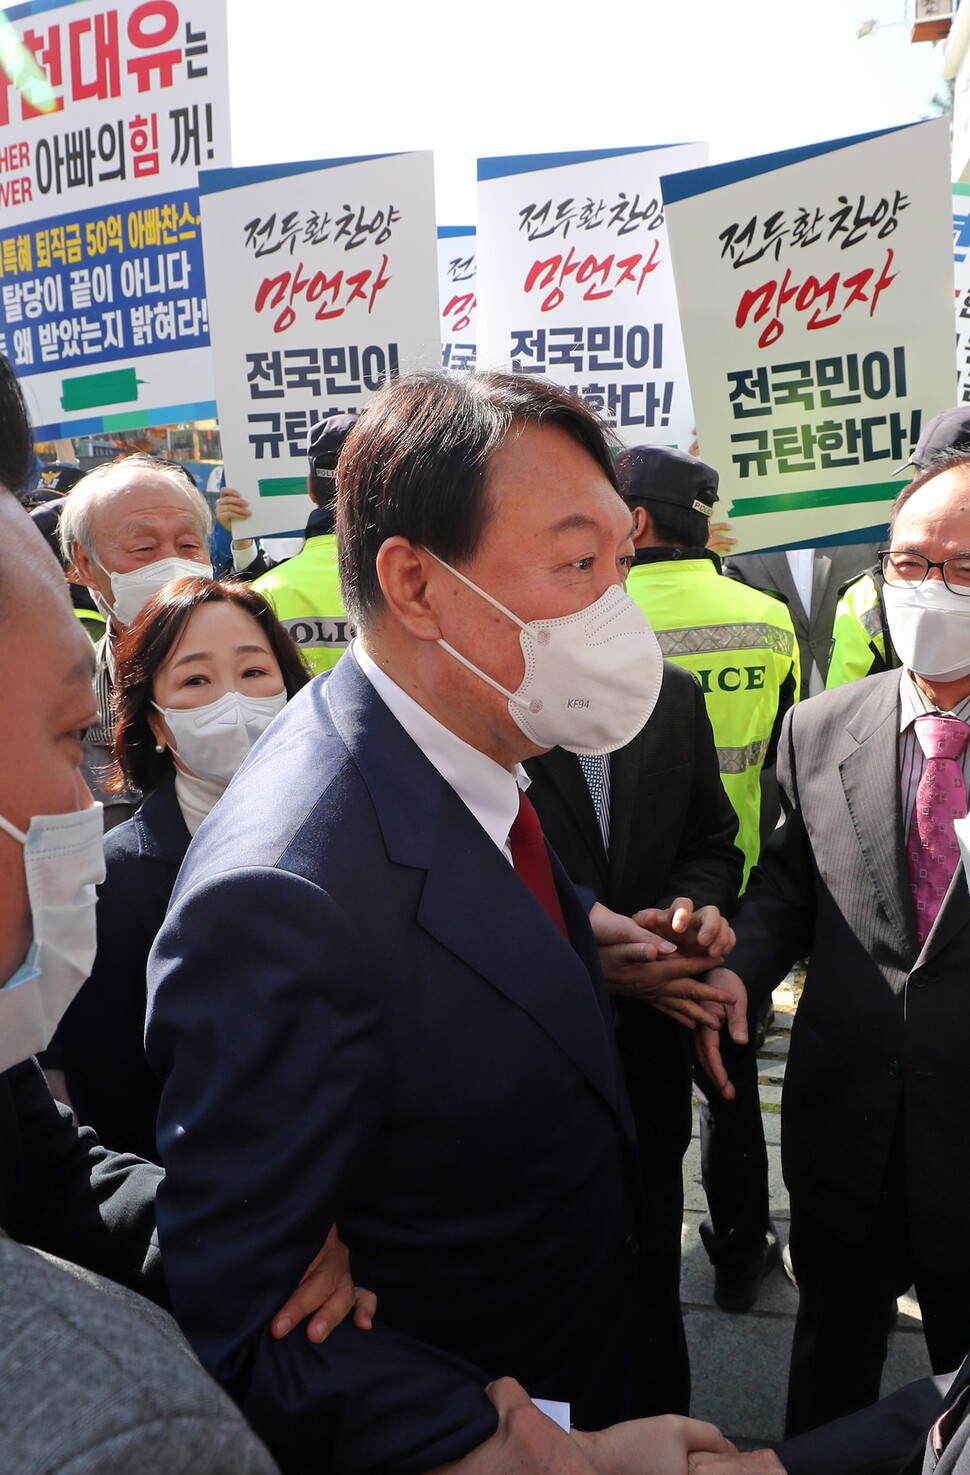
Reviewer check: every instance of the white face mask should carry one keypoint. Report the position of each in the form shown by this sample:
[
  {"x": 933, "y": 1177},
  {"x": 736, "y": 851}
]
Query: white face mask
[
  {"x": 930, "y": 627},
  {"x": 591, "y": 679},
  {"x": 133, "y": 590},
  {"x": 212, "y": 741},
  {"x": 64, "y": 863}
]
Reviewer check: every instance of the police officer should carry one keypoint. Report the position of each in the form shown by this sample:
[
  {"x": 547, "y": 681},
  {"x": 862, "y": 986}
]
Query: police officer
[
  {"x": 305, "y": 591},
  {"x": 741, "y": 646},
  {"x": 861, "y": 642},
  {"x": 739, "y": 642}
]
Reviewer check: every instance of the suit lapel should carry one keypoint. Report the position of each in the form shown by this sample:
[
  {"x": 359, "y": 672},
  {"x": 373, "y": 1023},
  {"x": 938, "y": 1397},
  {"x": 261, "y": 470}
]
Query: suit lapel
[
  {"x": 821, "y": 573},
  {"x": 520, "y": 952},
  {"x": 473, "y": 903},
  {"x": 624, "y": 773},
  {"x": 565, "y": 772},
  {"x": 870, "y": 773}
]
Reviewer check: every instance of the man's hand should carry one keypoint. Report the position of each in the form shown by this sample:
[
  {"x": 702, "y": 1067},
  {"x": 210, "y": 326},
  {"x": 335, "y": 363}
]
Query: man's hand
[
  {"x": 232, "y": 505},
  {"x": 701, "y": 933},
  {"x": 663, "y": 1446},
  {"x": 328, "y": 1289},
  {"x": 735, "y": 1016},
  {"x": 757, "y": 1462},
  {"x": 638, "y": 963},
  {"x": 614, "y": 929},
  {"x": 719, "y": 539},
  {"x": 526, "y": 1442}
]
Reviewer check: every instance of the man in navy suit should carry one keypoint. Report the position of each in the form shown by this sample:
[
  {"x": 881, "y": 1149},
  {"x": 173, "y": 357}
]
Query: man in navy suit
[{"x": 377, "y": 997}]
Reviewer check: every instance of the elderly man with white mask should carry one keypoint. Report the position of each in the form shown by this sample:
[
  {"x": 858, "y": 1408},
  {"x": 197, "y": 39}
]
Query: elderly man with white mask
[{"x": 126, "y": 530}]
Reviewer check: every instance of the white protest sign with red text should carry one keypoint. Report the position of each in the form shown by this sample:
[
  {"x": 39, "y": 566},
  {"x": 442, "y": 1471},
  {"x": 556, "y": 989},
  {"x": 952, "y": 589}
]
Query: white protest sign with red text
[
  {"x": 575, "y": 282},
  {"x": 107, "y": 112},
  {"x": 816, "y": 299},
  {"x": 323, "y": 283}
]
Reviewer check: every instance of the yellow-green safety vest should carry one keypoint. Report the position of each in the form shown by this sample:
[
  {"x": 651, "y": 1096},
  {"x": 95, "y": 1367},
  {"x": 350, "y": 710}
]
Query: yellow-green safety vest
[
  {"x": 741, "y": 646},
  {"x": 859, "y": 640},
  {"x": 305, "y": 595}
]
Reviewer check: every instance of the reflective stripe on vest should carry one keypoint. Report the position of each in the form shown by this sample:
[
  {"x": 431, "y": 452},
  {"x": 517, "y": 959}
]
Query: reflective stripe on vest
[
  {"x": 699, "y": 639},
  {"x": 739, "y": 760},
  {"x": 870, "y": 620}
]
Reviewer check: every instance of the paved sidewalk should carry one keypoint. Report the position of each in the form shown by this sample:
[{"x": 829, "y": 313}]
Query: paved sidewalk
[{"x": 739, "y": 1363}]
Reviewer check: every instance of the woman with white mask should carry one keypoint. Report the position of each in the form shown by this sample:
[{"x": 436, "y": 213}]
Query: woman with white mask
[{"x": 201, "y": 672}]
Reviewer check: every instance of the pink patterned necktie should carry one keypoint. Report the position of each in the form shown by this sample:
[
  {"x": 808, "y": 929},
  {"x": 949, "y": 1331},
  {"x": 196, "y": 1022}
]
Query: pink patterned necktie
[{"x": 932, "y": 851}]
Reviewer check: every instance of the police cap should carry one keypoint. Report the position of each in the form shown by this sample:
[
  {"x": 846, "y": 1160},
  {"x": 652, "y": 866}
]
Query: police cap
[
  {"x": 662, "y": 474},
  {"x": 324, "y": 442}
]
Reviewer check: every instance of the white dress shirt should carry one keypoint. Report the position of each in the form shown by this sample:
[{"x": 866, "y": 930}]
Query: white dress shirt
[
  {"x": 488, "y": 790},
  {"x": 801, "y": 563}
]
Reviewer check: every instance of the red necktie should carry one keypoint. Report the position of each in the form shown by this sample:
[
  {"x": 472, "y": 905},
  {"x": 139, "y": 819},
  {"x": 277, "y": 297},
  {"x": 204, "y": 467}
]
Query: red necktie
[{"x": 531, "y": 860}]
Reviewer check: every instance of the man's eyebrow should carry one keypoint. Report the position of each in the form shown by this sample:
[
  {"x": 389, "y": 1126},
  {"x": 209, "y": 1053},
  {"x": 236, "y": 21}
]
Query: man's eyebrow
[{"x": 576, "y": 522}]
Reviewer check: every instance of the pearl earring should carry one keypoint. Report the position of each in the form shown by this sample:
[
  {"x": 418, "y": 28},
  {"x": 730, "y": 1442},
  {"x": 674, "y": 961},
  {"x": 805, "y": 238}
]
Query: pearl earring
[{"x": 159, "y": 747}]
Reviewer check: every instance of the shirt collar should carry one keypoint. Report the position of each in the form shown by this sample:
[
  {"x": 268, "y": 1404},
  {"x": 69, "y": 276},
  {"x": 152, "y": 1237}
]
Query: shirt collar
[
  {"x": 490, "y": 791},
  {"x": 913, "y": 703}
]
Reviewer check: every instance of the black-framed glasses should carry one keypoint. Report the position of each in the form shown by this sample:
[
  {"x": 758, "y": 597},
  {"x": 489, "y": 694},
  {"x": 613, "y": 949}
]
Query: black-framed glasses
[{"x": 899, "y": 566}]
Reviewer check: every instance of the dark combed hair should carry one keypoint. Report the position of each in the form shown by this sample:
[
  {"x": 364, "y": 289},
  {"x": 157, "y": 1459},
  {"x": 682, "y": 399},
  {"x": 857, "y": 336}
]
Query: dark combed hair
[
  {"x": 147, "y": 643},
  {"x": 416, "y": 465},
  {"x": 16, "y": 436},
  {"x": 944, "y": 461},
  {"x": 679, "y": 527}
]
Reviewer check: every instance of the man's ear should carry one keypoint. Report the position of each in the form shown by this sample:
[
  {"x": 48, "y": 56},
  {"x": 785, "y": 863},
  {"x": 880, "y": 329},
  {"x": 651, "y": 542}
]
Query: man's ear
[
  {"x": 85, "y": 570},
  {"x": 407, "y": 574},
  {"x": 642, "y": 526}
]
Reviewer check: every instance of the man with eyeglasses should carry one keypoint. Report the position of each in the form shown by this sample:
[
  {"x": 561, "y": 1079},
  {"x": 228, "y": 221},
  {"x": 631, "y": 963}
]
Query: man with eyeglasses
[{"x": 864, "y": 878}]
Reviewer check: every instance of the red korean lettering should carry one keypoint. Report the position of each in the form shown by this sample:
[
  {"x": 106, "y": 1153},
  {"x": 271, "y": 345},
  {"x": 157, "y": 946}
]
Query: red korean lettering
[{"x": 146, "y": 39}]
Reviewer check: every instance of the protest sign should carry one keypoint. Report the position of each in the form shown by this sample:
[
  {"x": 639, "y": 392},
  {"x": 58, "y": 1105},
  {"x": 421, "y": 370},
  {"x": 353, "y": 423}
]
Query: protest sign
[
  {"x": 323, "y": 283},
  {"x": 961, "y": 283},
  {"x": 110, "y": 113},
  {"x": 575, "y": 282},
  {"x": 456, "y": 289},
  {"x": 815, "y": 290}
]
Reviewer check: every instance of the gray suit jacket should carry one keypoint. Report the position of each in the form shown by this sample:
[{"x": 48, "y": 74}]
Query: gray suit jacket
[
  {"x": 882, "y": 1026},
  {"x": 97, "y": 1381},
  {"x": 833, "y": 567}
]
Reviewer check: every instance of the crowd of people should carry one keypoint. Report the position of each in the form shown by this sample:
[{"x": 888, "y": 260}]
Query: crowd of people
[{"x": 443, "y": 863}]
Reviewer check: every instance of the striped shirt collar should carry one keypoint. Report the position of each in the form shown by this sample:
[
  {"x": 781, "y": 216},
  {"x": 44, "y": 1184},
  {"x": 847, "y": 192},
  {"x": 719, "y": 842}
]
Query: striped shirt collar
[{"x": 913, "y": 703}]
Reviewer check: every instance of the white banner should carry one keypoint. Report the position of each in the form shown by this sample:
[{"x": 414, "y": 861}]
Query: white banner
[
  {"x": 576, "y": 285},
  {"x": 815, "y": 299},
  {"x": 107, "y": 113},
  {"x": 456, "y": 291},
  {"x": 961, "y": 282},
  {"x": 323, "y": 283}
]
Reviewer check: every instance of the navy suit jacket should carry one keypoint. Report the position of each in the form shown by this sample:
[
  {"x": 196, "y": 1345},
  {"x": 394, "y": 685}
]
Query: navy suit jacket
[
  {"x": 361, "y": 1015},
  {"x": 99, "y": 1043}
]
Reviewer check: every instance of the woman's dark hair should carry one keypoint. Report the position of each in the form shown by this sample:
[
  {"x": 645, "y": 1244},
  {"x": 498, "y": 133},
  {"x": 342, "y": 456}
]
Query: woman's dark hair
[
  {"x": 415, "y": 465},
  {"x": 149, "y": 641}
]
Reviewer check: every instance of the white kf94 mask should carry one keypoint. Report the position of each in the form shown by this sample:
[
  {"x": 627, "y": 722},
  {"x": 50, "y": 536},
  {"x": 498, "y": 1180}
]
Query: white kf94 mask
[
  {"x": 64, "y": 863},
  {"x": 930, "y": 627},
  {"x": 212, "y": 741},
  {"x": 591, "y": 679},
  {"x": 133, "y": 590}
]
